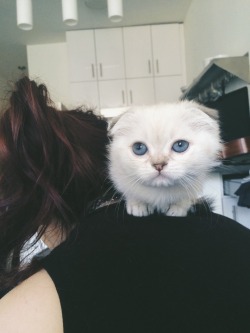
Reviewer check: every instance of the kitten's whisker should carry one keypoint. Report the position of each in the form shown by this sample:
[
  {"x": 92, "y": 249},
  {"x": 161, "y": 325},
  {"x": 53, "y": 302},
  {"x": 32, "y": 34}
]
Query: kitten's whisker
[
  {"x": 187, "y": 189},
  {"x": 189, "y": 182}
]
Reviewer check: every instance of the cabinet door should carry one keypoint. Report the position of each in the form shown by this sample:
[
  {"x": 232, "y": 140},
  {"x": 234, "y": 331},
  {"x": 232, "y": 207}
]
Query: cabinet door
[
  {"x": 243, "y": 216},
  {"x": 109, "y": 53},
  {"x": 84, "y": 94},
  {"x": 168, "y": 88},
  {"x": 81, "y": 55},
  {"x": 229, "y": 206},
  {"x": 235, "y": 212},
  {"x": 138, "y": 51},
  {"x": 112, "y": 93},
  {"x": 166, "y": 43},
  {"x": 140, "y": 91}
]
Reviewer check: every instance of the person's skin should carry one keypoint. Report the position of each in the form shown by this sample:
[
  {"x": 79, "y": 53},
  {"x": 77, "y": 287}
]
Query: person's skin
[
  {"x": 33, "y": 306},
  {"x": 53, "y": 236}
]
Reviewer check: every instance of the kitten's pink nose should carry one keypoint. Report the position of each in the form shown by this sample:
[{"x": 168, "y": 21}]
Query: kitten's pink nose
[{"x": 159, "y": 166}]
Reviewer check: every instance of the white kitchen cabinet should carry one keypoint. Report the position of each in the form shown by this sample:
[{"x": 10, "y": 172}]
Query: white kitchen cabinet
[
  {"x": 81, "y": 55},
  {"x": 242, "y": 215},
  {"x": 109, "y": 54},
  {"x": 168, "y": 88},
  {"x": 229, "y": 205},
  {"x": 153, "y": 50},
  {"x": 140, "y": 91},
  {"x": 138, "y": 51},
  {"x": 166, "y": 44},
  {"x": 95, "y": 54},
  {"x": 125, "y": 66},
  {"x": 235, "y": 212},
  {"x": 112, "y": 93},
  {"x": 85, "y": 94}
]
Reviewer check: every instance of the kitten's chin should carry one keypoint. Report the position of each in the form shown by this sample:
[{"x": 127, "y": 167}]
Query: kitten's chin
[{"x": 161, "y": 181}]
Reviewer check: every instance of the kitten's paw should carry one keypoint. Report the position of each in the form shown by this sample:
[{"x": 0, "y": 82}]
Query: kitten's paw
[
  {"x": 138, "y": 209},
  {"x": 177, "y": 210}
]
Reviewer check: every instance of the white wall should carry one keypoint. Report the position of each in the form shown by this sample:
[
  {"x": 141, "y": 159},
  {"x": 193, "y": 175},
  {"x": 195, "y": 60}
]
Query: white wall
[
  {"x": 6, "y": 87},
  {"x": 3, "y": 93},
  {"x": 215, "y": 27},
  {"x": 48, "y": 65}
]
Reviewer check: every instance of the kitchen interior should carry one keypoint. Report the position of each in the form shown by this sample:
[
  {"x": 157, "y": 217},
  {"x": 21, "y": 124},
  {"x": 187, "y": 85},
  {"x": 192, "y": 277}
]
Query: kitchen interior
[{"x": 151, "y": 51}]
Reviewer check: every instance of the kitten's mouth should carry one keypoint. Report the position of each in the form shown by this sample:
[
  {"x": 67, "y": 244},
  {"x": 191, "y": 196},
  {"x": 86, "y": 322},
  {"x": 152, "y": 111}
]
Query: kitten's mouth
[
  {"x": 161, "y": 175},
  {"x": 160, "y": 180}
]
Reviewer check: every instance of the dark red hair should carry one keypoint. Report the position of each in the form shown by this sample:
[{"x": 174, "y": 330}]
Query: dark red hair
[{"x": 52, "y": 164}]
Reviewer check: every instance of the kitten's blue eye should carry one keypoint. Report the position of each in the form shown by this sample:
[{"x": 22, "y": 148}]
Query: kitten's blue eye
[
  {"x": 180, "y": 146},
  {"x": 139, "y": 148}
]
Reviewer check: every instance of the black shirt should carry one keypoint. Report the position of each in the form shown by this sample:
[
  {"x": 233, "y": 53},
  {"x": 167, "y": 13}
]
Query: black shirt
[{"x": 120, "y": 273}]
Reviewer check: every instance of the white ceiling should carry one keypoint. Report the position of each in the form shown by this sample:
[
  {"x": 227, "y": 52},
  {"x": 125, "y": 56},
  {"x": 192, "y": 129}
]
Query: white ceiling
[{"x": 49, "y": 28}]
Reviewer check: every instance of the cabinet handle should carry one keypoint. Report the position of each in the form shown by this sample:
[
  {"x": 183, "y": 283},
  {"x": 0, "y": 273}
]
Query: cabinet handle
[
  {"x": 123, "y": 97},
  {"x": 131, "y": 96},
  {"x": 157, "y": 66},
  {"x": 100, "y": 69},
  {"x": 93, "y": 70},
  {"x": 149, "y": 66}
]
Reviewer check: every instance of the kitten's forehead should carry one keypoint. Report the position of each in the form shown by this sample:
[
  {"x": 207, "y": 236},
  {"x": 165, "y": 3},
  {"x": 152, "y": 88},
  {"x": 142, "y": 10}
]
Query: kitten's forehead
[{"x": 164, "y": 119}]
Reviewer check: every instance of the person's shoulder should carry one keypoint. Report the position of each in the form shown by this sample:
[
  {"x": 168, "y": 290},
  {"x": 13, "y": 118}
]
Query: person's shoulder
[
  {"x": 32, "y": 306},
  {"x": 110, "y": 229},
  {"x": 113, "y": 222},
  {"x": 116, "y": 215}
]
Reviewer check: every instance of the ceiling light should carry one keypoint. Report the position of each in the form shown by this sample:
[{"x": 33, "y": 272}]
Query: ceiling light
[
  {"x": 69, "y": 12},
  {"x": 115, "y": 10},
  {"x": 24, "y": 14}
]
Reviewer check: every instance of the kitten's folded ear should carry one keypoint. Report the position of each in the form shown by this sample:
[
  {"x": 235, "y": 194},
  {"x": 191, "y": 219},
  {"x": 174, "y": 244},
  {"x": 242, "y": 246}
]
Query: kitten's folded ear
[
  {"x": 115, "y": 124},
  {"x": 112, "y": 122}
]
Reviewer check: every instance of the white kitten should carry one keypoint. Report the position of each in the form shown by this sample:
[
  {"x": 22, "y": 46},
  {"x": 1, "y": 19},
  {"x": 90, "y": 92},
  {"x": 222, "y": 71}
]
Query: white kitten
[{"x": 160, "y": 155}]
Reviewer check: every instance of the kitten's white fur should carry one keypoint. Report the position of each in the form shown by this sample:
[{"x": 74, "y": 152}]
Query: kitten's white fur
[{"x": 173, "y": 190}]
